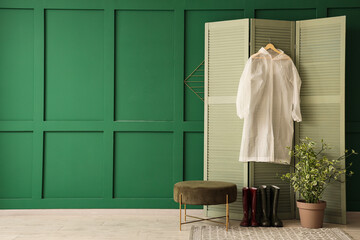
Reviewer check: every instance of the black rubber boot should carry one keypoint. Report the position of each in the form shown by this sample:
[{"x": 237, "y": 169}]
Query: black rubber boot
[
  {"x": 275, "y": 192},
  {"x": 264, "y": 221}
]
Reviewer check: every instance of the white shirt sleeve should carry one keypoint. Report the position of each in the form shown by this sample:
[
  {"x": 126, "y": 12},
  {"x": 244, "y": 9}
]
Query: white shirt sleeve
[
  {"x": 244, "y": 91},
  {"x": 296, "y": 81}
]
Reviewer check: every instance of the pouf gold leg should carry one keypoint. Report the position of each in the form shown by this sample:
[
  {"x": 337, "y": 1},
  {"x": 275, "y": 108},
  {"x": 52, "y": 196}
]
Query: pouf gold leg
[
  {"x": 180, "y": 209},
  {"x": 185, "y": 211},
  {"x": 227, "y": 212}
]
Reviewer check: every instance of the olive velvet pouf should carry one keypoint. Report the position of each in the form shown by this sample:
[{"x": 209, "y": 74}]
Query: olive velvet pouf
[{"x": 205, "y": 193}]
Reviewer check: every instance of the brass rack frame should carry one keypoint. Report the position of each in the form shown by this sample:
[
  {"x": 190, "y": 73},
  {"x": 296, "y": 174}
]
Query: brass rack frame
[{"x": 198, "y": 89}]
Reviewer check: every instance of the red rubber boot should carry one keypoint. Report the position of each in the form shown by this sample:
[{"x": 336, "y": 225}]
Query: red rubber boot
[
  {"x": 246, "y": 195},
  {"x": 254, "y": 223}
]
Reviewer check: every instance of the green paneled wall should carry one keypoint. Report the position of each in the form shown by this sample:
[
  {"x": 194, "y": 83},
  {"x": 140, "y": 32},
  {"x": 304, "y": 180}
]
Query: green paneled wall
[
  {"x": 286, "y": 14},
  {"x": 93, "y": 109},
  {"x": 193, "y": 150},
  {"x": 144, "y": 77},
  {"x": 143, "y": 163},
  {"x": 16, "y": 165},
  {"x": 74, "y": 65},
  {"x": 17, "y": 64},
  {"x": 73, "y": 165}
]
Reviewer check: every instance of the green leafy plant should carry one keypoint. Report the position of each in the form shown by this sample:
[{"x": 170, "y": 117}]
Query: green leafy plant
[{"x": 314, "y": 171}]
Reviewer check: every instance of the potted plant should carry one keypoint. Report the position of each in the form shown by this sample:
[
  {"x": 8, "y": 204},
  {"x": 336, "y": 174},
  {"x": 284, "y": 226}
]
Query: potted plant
[{"x": 312, "y": 174}]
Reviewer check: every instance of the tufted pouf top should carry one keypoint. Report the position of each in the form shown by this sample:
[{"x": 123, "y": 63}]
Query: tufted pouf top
[{"x": 205, "y": 192}]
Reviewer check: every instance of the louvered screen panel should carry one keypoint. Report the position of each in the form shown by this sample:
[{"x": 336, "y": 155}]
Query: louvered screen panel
[
  {"x": 321, "y": 64},
  {"x": 282, "y": 35},
  {"x": 226, "y": 52}
]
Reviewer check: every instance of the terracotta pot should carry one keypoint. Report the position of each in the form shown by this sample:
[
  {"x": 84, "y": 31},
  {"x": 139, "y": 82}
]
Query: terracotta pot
[{"x": 311, "y": 214}]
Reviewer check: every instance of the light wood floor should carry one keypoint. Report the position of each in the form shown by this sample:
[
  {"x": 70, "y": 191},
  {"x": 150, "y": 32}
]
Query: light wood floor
[{"x": 130, "y": 224}]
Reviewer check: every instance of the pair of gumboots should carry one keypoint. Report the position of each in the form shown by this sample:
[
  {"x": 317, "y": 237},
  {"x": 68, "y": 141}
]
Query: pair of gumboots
[{"x": 269, "y": 207}]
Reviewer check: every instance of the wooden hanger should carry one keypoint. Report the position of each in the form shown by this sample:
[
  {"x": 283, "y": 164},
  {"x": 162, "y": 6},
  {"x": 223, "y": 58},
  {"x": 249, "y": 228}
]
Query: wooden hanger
[{"x": 272, "y": 47}]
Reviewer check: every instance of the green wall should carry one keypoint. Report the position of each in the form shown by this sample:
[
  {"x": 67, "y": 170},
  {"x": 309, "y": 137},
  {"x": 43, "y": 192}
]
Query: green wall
[{"x": 93, "y": 109}]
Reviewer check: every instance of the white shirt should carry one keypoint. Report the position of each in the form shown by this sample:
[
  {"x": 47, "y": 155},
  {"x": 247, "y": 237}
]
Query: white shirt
[{"x": 268, "y": 100}]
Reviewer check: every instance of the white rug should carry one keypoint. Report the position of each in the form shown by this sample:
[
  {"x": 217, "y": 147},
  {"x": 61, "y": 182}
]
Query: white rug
[{"x": 262, "y": 233}]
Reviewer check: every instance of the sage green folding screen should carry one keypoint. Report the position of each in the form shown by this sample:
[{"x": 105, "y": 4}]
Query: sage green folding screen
[
  {"x": 282, "y": 35},
  {"x": 320, "y": 58},
  {"x": 227, "y": 51},
  {"x": 318, "y": 49}
]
